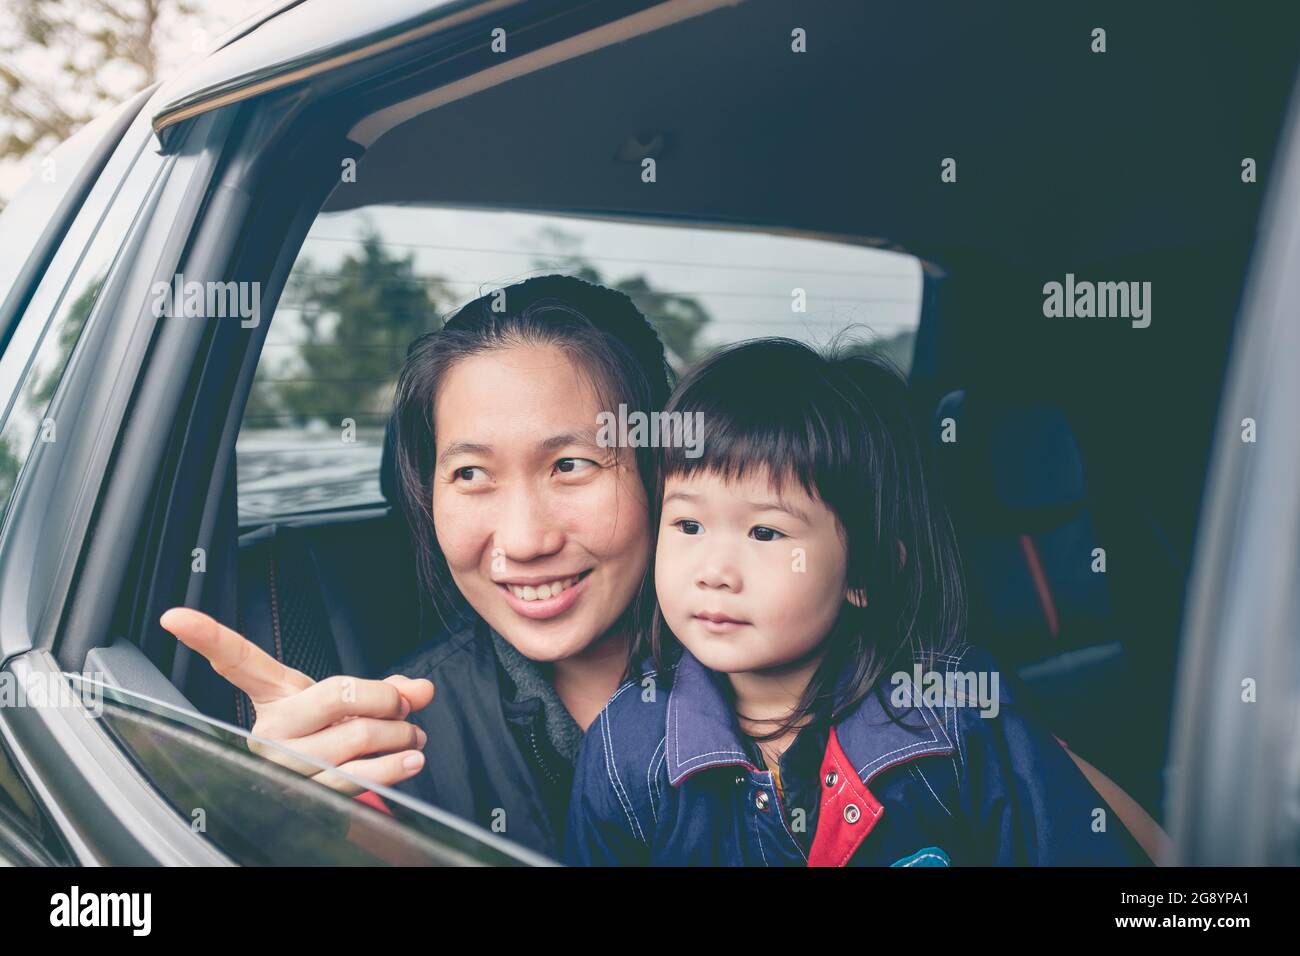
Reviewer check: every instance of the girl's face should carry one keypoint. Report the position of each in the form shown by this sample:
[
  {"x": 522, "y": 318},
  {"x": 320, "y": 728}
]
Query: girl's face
[
  {"x": 748, "y": 580},
  {"x": 545, "y": 532}
]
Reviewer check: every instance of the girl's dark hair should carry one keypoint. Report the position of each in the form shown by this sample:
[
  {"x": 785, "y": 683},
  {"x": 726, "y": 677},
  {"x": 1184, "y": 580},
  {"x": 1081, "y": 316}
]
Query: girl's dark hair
[
  {"x": 841, "y": 427},
  {"x": 603, "y": 332}
]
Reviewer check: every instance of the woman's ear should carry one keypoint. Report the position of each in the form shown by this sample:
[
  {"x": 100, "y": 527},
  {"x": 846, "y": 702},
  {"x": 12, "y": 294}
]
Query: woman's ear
[
  {"x": 902, "y": 554},
  {"x": 857, "y": 597}
]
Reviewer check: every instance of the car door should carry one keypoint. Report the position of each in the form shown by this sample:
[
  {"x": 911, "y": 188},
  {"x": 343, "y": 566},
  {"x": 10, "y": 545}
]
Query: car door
[
  {"x": 65, "y": 368},
  {"x": 126, "y": 410}
]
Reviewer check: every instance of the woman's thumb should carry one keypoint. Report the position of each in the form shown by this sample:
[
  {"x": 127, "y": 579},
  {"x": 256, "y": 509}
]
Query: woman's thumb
[{"x": 418, "y": 693}]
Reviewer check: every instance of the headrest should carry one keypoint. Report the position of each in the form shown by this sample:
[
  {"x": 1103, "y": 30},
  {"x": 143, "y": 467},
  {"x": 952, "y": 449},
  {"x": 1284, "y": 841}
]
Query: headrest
[{"x": 1018, "y": 458}]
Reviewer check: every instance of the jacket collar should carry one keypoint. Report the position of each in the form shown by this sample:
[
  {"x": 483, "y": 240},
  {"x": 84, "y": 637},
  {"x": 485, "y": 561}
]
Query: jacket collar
[
  {"x": 702, "y": 730},
  {"x": 535, "y": 697}
]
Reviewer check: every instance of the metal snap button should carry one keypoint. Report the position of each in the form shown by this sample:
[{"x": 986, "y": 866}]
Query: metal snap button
[
  {"x": 739, "y": 779},
  {"x": 832, "y": 778},
  {"x": 852, "y": 813},
  {"x": 761, "y": 799}
]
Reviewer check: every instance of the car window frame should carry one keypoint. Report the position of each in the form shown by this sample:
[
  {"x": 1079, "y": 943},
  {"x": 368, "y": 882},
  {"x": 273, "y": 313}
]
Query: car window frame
[
  {"x": 94, "y": 144},
  {"x": 21, "y": 587},
  {"x": 106, "y": 813}
]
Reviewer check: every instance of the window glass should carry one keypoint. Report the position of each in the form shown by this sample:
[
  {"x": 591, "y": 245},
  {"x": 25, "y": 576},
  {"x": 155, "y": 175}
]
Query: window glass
[
  {"x": 260, "y": 813},
  {"x": 53, "y": 322},
  {"x": 26, "y": 834},
  {"x": 26, "y": 216},
  {"x": 369, "y": 281}
]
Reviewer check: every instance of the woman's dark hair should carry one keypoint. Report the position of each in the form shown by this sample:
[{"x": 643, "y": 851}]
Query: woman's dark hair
[
  {"x": 841, "y": 427},
  {"x": 603, "y": 332}
]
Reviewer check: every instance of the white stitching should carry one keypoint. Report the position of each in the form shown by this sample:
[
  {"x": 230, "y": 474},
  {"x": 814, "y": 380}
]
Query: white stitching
[
  {"x": 712, "y": 753},
  {"x": 925, "y": 856},
  {"x": 677, "y": 746},
  {"x": 618, "y": 693},
  {"x": 781, "y": 817},
  {"x": 938, "y": 724},
  {"x": 651, "y": 777},
  {"x": 956, "y": 725},
  {"x": 919, "y": 745},
  {"x": 712, "y": 763},
  {"x": 917, "y": 771},
  {"x": 612, "y": 772},
  {"x": 759, "y": 833}
]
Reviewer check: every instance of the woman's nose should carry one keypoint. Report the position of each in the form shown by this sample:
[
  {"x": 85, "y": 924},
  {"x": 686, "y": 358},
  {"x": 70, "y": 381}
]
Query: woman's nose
[{"x": 525, "y": 527}]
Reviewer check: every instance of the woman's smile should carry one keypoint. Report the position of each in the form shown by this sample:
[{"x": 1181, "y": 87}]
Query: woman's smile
[{"x": 547, "y": 597}]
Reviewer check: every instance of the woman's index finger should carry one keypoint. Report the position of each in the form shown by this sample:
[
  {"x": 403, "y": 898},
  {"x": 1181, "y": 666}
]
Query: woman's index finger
[{"x": 233, "y": 656}]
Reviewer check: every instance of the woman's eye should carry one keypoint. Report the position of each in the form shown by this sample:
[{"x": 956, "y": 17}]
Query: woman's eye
[
  {"x": 466, "y": 474},
  {"x": 763, "y": 533},
  {"x": 687, "y": 526},
  {"x": 575, "y": 466}
]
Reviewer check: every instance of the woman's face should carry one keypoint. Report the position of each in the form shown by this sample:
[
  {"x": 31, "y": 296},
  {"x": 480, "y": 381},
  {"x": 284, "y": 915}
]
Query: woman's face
[{"x": 545, "y": 532}]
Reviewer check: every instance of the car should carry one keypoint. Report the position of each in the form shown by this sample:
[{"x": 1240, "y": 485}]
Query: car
[{"x": 204, "y": 303}]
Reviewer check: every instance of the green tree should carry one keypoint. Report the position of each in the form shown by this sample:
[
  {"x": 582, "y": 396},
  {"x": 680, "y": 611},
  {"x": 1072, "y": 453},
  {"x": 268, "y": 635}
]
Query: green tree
[
  {"x": 355, "y": 325},
  {"x": 65, "y": 62},
  {"x": 102, "y": 51},
  {"x": 10, "y": 465},
  {"x": 677, "y": 318},
  {"x": 42, "y": 389}
]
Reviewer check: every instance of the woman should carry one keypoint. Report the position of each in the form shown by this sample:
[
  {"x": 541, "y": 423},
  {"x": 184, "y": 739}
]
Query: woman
[{"x": 515, "y": 506}]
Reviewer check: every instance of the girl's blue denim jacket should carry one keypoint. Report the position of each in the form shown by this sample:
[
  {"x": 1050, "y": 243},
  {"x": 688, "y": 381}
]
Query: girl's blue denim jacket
[{"x": 664, "y": 777}]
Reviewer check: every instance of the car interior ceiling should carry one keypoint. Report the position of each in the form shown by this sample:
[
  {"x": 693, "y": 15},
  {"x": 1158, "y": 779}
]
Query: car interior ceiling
[{"x": 1041, "y": 474}]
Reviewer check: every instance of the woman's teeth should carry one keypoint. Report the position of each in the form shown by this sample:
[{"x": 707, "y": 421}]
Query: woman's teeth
[{"x": 543, "y": 591}]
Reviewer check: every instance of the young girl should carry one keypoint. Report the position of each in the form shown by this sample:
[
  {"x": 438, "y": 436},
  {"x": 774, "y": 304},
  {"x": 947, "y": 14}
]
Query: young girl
[{"x": 806, "y": 697}]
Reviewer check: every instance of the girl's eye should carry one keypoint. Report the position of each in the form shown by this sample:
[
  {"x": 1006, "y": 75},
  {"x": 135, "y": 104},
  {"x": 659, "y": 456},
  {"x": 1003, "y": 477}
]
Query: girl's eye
[
  {"x": 687, "y": 526},
  {"x": 575, "y": 466},
  {"x": 466, "y": 474},
  {"x": 763, "y": 533}
]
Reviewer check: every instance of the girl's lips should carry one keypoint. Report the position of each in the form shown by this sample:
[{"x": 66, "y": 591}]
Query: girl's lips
[
  {"x": 540, "y": 610},
  {"x": 720, "y": 627}
]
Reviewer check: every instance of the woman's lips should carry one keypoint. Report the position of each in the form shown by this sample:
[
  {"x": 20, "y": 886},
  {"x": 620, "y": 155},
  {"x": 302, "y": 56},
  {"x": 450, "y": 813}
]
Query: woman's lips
[{"x": 543, "y": 608}]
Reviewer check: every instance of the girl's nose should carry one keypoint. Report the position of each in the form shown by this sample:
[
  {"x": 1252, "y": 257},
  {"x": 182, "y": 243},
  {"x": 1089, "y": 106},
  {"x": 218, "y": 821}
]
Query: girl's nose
[{"x": 719, "y": 575}]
